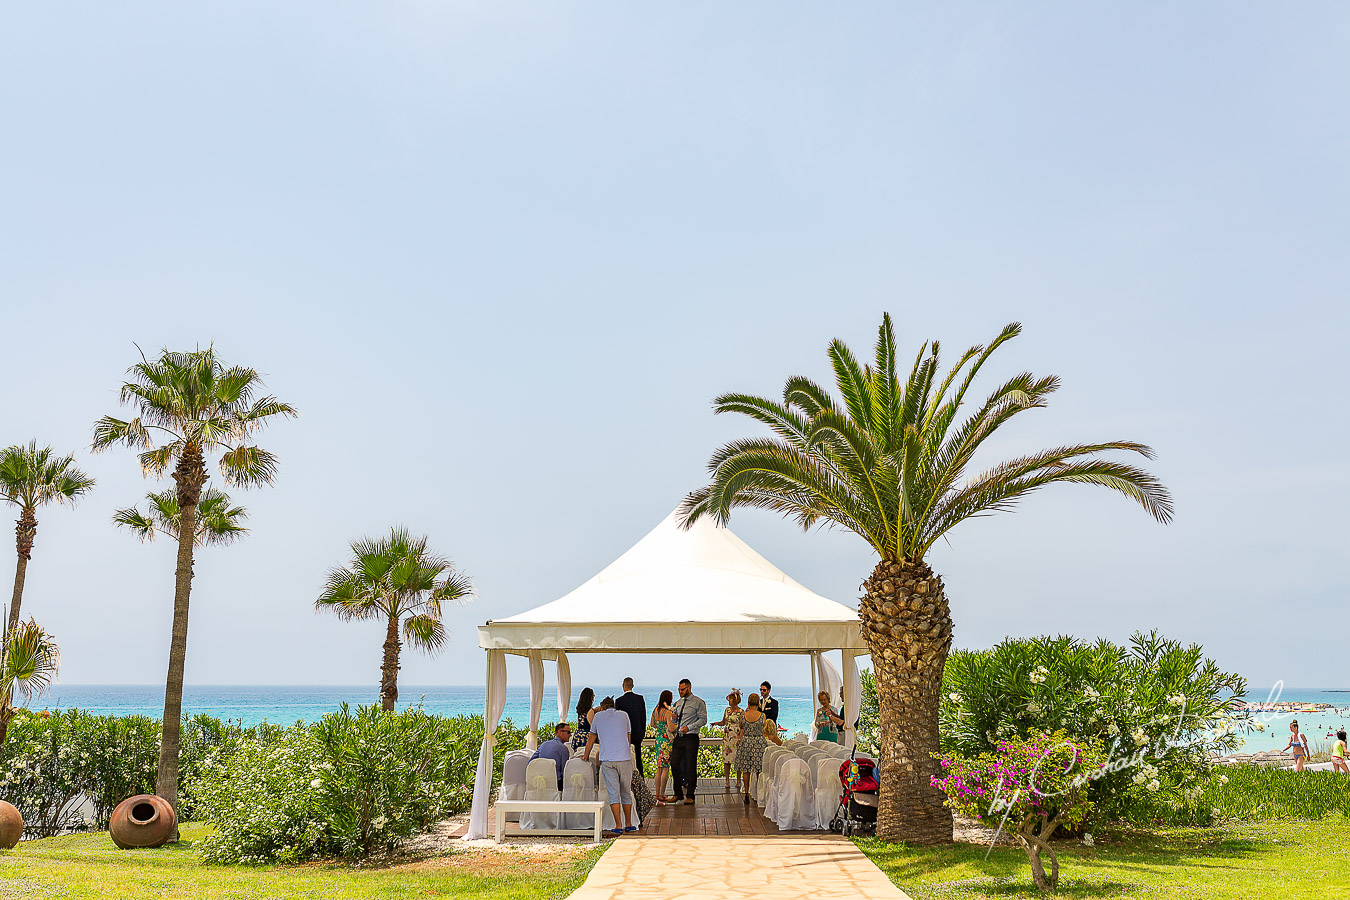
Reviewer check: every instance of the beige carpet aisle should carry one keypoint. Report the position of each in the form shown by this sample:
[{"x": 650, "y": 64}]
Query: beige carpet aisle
[{"x": 732, "y": 868}]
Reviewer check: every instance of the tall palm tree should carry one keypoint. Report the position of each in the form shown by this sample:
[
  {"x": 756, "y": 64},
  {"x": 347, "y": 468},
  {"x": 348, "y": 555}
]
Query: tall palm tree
[
  {"x": 29, "y": 662},
  {"x": 31, "y": 477},
  {"x": 190, "y": 405},
  {"x": 395, "y": 578},
  {"x": 889, "y": 462},
  {"x": 217, "y": 521}
]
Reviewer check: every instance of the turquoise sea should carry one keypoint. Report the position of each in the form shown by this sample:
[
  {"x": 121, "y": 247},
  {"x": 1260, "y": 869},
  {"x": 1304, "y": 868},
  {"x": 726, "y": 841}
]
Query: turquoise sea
[{"x": 285, "y": 704}]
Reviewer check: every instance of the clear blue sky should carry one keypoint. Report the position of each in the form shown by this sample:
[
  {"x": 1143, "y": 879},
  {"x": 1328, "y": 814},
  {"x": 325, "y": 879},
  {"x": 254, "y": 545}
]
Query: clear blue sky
[{"x": 502, "y": 256}]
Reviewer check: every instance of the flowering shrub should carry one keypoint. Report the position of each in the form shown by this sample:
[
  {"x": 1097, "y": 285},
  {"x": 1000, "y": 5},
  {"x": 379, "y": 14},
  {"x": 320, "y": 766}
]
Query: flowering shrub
[
  {"x": 264, "y": 799},
  {"x": 1030, "y": 786},
  {"x": 56, "y": 763},
  {"x": 1160, "y": 708},
  {"x": 353, "y": 783}
]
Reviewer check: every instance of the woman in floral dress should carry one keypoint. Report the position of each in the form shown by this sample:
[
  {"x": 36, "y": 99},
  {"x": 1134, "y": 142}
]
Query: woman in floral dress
[
  {"x": 731, "y": 734},
  {"x": 662, "y": 720},
  {"x": 750, "y": 750}
]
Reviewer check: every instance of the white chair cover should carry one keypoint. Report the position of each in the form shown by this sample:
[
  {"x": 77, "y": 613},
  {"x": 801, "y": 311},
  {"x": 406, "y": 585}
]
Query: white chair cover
[
  {"x": 779, "y": 761},
  {"x": 812, "y": 759},
  {"x": 828, "y": 790},
  {"x": 839, "y": 751},
  {"x": 765, "y": 785},
  {"x": 793, "y": 803},
  {"x": 578, "y": 784},
  {"x": 541, "y": 783},
  {"x": 513, "y": 779}
]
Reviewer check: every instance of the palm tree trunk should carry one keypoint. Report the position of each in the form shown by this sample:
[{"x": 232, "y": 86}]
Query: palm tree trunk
[
  {"x": 25, "y": 529},
  {"x": 908, "y": 627},
  {"x": 389, "y": 667},
  {"x": 190, "y": 475}
]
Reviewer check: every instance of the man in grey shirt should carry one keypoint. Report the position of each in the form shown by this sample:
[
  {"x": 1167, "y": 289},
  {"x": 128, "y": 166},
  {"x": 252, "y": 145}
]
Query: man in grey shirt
[{"x": 690, "y": 714}]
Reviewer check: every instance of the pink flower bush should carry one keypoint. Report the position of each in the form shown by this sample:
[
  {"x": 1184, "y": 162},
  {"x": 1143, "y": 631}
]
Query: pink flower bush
[{"x": 1028, "y": 787}]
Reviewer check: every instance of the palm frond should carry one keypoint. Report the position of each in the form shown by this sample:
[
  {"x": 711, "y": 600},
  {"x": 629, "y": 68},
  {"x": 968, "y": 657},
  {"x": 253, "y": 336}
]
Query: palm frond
[
  {"x": 31, "y": 660},
  {"x": 888, "y": 461}
]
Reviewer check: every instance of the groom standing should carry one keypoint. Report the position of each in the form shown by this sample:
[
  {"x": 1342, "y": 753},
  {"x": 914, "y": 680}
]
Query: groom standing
[{"x": 691, "y": 714}]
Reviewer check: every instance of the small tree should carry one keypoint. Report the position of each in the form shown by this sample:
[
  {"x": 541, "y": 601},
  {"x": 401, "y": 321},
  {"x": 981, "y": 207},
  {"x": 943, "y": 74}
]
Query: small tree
[
  {"x": 30, "y": 478},
  {"x": 1030, "y": 785},
  {"x": 29, "y": 661},
  {"x": 395, "y": 579}
]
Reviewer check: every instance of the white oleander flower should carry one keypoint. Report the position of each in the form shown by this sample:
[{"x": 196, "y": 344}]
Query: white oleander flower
[
  {"x": 1091, "y": 694},
  {"x": 1138, "y": 778},
  {"x": 1034, "y": 709},
  {"x": 1215, "y": 813},
  {"x": 1223, "y": 779},
  {"x": 954, "y": 697},
  {"x": 379, "y": 822},
  {"x": 1139, "y": 736},
  {"x": 1150, "y": 771},
  {"x": 1177, "y": 699},
  {"x": 1153, "y": 785},
  {"x": 316, "y": 783},
  {"x": 1112, "y": 728},
  {"x": 1087, "y": 840}
]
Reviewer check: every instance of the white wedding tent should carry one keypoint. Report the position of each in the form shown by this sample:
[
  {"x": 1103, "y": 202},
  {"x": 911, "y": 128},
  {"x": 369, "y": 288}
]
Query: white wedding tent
[{"x": 701, "y": 590}]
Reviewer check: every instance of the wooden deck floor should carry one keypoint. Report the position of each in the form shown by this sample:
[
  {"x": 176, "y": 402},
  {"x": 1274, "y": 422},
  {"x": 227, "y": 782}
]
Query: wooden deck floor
[{"x": 714, "y": 813}]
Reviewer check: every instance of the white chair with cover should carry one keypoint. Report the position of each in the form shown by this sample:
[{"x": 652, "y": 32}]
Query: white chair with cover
[
  {"x": 779, "y": 762},
  {"x": 513, "y": 779},
  {"x": 793, "y": 804},
  {"x": 766, "y": 776},
  {"x": 578, "y": 784},
  {"x": 765, "y": 779},
  {"x": 828, "y": 790},
  {"x": 541, "y": 783}
]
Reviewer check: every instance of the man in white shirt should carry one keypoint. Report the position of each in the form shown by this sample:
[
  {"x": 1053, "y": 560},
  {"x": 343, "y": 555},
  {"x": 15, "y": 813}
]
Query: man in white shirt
[{"x": 612, "y": 729}]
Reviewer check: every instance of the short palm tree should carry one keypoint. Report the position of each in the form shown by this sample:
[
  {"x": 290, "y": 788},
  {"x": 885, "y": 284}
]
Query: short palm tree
[
  {"x": 889, "y": 462},
  {"x": 218, "y": 522},
  {"x": 28, "y": 662},
  {"x": 396, "y": 579},
  {"x": 190, "y": 405},
  {"x": 32, "y": 477}
]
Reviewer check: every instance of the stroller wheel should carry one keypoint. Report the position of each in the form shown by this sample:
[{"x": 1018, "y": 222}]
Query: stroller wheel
[{"x": 844, "y": 828}]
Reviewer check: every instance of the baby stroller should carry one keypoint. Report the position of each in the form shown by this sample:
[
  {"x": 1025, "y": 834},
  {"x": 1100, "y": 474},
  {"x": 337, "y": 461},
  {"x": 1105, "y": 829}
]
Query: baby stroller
[{"x": 857, "y": 813}]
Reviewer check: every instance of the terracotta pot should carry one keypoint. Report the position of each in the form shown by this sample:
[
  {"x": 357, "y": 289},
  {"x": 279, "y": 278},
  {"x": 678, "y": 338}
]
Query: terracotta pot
[
  {"x": 142, "y": 821},
  {"x": 11, "y": 826}
]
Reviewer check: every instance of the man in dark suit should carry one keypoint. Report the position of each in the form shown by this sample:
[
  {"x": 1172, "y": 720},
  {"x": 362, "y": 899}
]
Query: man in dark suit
[
  {"x": 636, "y": 708},
  {"x": 769, "y": 704}
]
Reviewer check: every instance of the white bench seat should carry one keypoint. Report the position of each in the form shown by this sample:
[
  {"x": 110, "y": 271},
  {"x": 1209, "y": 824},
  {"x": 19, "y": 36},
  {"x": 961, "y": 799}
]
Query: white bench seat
[{"x": 595, "y": 807}]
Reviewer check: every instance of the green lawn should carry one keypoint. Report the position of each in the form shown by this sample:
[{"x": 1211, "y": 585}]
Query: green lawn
[
  {"x": 87, "y": 865},
  {"x": 1262, "y": 859}
]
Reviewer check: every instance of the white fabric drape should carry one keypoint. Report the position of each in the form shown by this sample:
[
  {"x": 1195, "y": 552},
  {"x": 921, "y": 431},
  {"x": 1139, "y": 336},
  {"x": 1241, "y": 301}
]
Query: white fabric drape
[
  {"x": 536, "y": 698},
  {"x": 564, "y": 687},
  {"x": 815, "y": 688},
  {"x": 852, "y": 697},
  {"x": 492, "y": 715},
  {"x": 829, "y": 678}
]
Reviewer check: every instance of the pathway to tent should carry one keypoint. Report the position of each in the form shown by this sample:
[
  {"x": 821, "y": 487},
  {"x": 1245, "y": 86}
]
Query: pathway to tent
[{"x": 730, "y": 868}]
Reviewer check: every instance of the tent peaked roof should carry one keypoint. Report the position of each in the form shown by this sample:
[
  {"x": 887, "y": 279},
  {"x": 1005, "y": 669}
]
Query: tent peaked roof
[{"x": 697, "y": 590}]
